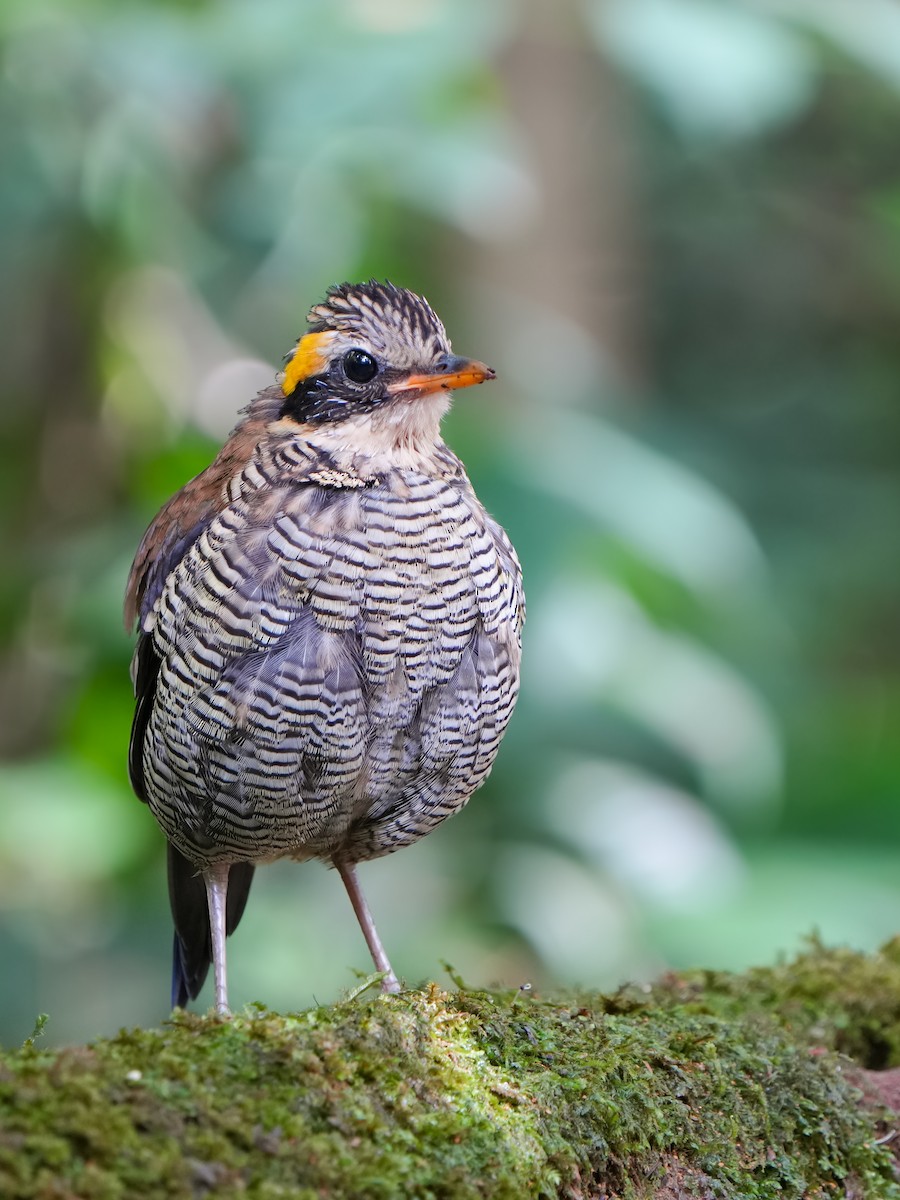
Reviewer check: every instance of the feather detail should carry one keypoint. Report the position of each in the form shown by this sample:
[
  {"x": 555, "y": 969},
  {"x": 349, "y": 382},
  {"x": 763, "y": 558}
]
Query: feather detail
[{"x": 191, "y": 509}]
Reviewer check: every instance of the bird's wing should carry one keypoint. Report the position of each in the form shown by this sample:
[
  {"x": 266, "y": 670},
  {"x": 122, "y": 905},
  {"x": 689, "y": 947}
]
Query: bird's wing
[
  {"x": 181, "y": 521},
  {"x": 174, "y": 529},
  {"x": 511, "y": 573},
  {"x": 169, "y": 537},
  {"x": 144, "y": 671},
  {"x": 288, "y": 702}
]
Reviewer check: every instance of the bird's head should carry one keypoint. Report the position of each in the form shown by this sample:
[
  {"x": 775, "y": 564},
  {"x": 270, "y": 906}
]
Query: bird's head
[{"x": 372, "y": 348}]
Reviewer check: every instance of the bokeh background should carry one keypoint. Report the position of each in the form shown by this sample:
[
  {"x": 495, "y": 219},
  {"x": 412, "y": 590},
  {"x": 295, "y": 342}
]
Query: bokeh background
[{"x": 673, "y": 226}]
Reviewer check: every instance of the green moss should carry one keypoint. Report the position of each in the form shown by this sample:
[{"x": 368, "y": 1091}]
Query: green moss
[
  {"x": 471, "y": 1094},
  {"x": 837, "y": 998}
]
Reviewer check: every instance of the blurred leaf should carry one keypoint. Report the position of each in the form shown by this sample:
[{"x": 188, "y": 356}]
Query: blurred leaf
[
  {"x": 660, "y": 508},
  {"x": 720, "y": 70},
  {"x": 65, "y": 823},
  {"x": 661, "y": 843},
  {"x": 869, "y": 29},
  {"x": 592, "y": 644}
]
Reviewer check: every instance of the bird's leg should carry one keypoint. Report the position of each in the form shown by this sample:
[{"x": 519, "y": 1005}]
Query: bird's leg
[
  {"x": 390, "y": 982},
  {"x": 216, "y": 880}
]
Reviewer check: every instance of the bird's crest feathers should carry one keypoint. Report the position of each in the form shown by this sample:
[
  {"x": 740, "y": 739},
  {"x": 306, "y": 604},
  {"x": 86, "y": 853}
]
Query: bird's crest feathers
[{"x": 375, "y": 311}]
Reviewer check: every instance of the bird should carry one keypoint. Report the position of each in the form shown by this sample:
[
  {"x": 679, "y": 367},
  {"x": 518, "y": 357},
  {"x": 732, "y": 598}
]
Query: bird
[{"x": 329, "y": 627}]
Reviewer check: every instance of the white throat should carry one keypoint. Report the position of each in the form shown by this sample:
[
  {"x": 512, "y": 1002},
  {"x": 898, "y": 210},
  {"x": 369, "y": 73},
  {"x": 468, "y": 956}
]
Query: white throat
[{"x": 404, "y": 433}]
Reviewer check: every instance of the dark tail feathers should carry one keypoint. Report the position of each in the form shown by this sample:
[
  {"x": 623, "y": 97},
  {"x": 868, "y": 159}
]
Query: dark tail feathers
[{"x": 193, "y": 943}]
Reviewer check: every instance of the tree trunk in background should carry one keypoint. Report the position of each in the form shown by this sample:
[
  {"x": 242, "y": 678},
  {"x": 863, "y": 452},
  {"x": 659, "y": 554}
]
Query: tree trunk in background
[{"x": 579, "y": 255}]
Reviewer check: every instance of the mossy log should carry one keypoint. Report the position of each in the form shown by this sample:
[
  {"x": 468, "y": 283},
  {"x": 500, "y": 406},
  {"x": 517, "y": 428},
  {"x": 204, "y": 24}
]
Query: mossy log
[{"x": 775, "y": 1083}]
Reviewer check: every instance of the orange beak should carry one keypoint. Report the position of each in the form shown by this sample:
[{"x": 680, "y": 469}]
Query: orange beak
[{"x": 452, "y": 372}]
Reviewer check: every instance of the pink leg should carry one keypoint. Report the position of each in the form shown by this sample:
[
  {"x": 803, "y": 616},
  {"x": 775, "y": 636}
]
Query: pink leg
[
  {"x": 216, "y": 880},
  {"x": 390, "y": 983}
]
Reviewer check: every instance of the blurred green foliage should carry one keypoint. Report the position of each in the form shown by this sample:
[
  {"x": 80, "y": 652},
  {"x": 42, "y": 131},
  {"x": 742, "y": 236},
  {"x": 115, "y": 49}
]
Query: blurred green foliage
[{"x": 700, "y": 473}]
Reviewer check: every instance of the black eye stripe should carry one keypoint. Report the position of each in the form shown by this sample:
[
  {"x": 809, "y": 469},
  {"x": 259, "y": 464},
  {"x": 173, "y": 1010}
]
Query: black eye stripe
[{"x": 359, "y": 366}]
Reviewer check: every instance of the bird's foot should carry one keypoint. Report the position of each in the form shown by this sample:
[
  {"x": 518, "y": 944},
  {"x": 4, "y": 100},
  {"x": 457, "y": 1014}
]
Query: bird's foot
[{"x": 390, "y": 983}]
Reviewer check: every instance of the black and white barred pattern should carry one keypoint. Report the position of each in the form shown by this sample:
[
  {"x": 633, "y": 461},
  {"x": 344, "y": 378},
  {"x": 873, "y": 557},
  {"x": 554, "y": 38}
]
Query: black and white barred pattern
[{"x": 338, "y": 663}]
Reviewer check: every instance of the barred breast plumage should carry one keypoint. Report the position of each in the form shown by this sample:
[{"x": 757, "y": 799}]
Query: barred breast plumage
[
  {"x": 337, "y": 667},
  {"x": 330, "y": 632}
]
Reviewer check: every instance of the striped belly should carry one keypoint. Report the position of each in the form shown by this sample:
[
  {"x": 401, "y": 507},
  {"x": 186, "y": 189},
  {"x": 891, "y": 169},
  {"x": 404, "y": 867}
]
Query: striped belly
[{"x": 338, "y": 669}]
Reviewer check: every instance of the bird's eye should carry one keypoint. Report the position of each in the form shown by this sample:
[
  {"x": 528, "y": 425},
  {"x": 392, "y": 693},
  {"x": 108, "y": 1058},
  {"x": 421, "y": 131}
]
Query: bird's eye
[{"x": 359, "y": 366}]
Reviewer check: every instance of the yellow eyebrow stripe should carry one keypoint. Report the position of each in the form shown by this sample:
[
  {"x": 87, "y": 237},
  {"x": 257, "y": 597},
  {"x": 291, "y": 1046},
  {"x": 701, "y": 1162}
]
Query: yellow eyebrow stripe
[{"x": 310, "y": 358}]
